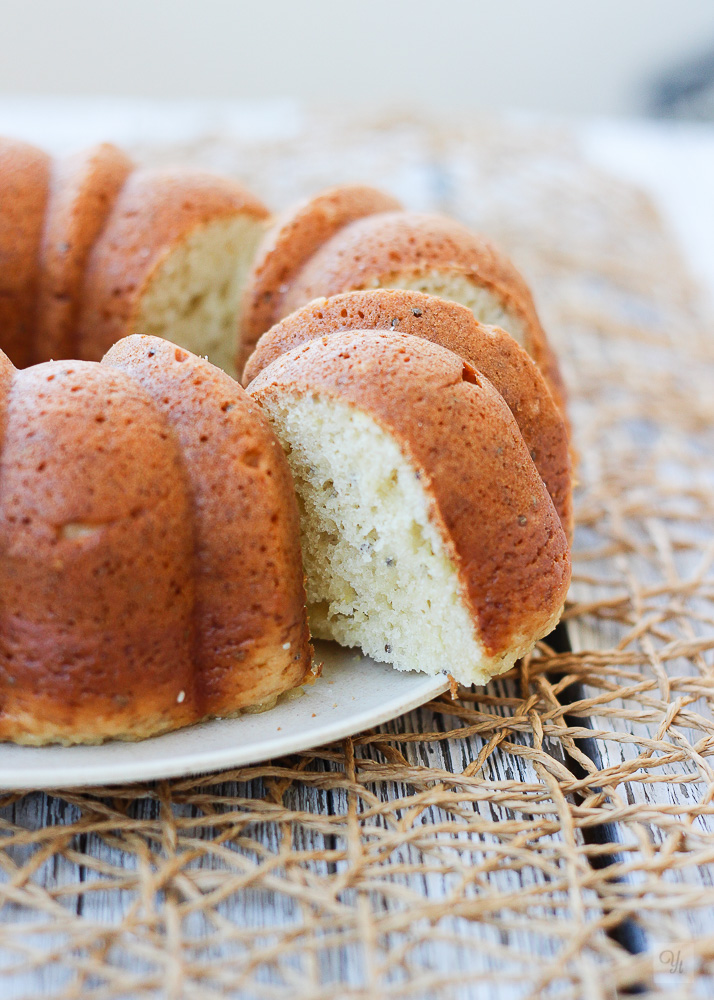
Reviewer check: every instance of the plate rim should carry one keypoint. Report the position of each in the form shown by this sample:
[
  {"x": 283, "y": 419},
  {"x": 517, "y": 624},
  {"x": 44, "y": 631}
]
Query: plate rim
[{"x": 237, "y": 755}]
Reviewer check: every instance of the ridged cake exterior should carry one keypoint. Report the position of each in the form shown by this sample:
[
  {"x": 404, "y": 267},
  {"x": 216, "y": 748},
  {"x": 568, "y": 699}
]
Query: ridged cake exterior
[
  {"x": 150, "y": 571},
  {"x": 24, "y": 190},
  {"x": 93, "y": 249},
  {"x": 83, "y": 189},
  {"x": 387, "y": 248}
]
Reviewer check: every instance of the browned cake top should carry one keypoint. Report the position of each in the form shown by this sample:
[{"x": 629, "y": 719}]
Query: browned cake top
[
  {"x": 370, "y": 252},
  {"x": 290, "y": 243},
  {"x": 488, "y": 349}
]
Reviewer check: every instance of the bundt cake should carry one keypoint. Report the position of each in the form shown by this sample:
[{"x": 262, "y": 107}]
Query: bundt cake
[
  {"x": 393, "y": 249},
  {"x": 93, "y": 250},
  {"x": 428, "y": 537},
  {"x": 150, "y": 568},
  {"x": 150, "y": 536},
  {"x": 487, "y": 349}
]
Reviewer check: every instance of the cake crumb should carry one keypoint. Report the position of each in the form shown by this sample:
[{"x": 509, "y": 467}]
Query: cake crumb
[
  {"x": 181, "y": 696},
  {"x": 453, "y": 687},
  {"x": 286, "y": 645}
]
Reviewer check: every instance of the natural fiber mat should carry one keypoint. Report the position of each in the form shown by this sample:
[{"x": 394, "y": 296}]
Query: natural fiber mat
[{"x": 551, "y": 835}]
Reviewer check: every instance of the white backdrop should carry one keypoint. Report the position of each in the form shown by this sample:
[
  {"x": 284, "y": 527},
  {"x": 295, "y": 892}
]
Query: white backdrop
[{"x": 583, "y": 56}]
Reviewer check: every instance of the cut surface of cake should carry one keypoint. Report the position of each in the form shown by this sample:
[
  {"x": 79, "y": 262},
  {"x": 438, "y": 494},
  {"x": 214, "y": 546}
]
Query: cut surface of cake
[
  {"x": 171, "y": 262},
  {"x": 428, "y": 536}
]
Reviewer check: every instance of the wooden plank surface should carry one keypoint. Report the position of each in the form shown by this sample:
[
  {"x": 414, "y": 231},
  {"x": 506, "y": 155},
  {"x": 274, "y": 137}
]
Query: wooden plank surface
[{"x": 424, "y": 844}]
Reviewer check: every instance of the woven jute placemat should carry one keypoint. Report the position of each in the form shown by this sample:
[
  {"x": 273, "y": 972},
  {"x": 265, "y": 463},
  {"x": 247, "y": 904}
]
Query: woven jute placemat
[{"x": 551, "y": 835}]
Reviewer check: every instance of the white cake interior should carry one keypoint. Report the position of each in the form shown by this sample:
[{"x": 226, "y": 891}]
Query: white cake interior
[
  {"x": 379, "y": 575},
  {"x": 483, "y": 303},
  {"x": 194, "y": 297}
]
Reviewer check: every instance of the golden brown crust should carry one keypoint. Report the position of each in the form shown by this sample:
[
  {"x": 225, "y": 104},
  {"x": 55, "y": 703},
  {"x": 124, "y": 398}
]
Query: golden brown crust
[
  {"x": 150, "y": 570},
  {"x": 493, "y": 510},
  {"x": 487, "y": 349},
  {"x": 369, "y": 252},
  {"x": 96, "y": 559},
  {"x": 24, "y": 182},
  {"x": 82, "y": 192},
  {"x": 155, "y": 211},
  {"x": 250, "y": 597},
  {"x": 289, "y": 243}
]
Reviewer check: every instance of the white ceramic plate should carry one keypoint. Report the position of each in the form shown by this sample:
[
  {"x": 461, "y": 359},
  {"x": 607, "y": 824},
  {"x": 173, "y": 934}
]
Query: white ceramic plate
[{"x": 354, "y": 693}]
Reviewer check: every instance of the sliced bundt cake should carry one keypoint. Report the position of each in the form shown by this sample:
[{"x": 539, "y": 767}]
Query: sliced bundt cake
[
  {"x": 488, "y": 349},
  {"x": 92, "y": 250},
  {"x": 428, "y": 537},
  {"x": 409, "y": 250},
  {"x": 172, "y": 262},
  {"x": 150, "y": 569}
]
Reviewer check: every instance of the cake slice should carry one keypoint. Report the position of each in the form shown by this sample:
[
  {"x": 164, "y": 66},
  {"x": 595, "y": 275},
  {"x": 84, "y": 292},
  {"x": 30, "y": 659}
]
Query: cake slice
[
  {"x": 382, "y": 247},
  {"x": 429, "y": 539},
  {"x": 172, "y": 261},
  {"x": 488, "y": 349},
  {"x": 436, "y": 255}
]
